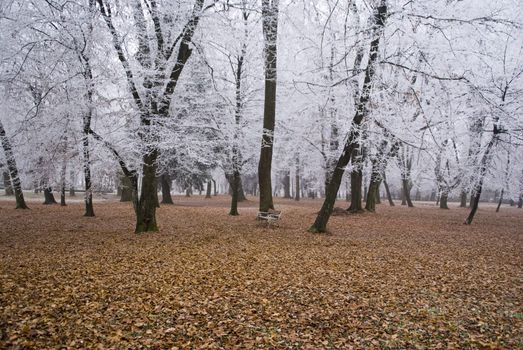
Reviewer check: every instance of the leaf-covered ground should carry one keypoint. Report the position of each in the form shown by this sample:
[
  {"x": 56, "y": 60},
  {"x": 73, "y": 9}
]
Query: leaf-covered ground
[{"x": 398, "y": 279}]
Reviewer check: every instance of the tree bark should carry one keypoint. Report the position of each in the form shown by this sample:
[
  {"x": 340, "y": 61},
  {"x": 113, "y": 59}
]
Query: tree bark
[
  {"x": 356, "y": 179},
  {"x": 443, "y": 200},
  {"x": 7, "y": 184},
  {"x": 89, "y": 209},
  {"x": 387, "y": 190},
  {"x": 165, "y": 180},
  {"x": 297, "y": 185},
  {"x": 235, "y": 186},
  {"x": 126, "y": 190},
  {"x": 12, "y": 168},
  {"x": 63, "y": 182},
  {"x": 215, "y": 188},
  {"x": 463, "y": 199},
  {"x": 500, "y": 200},
  {"x": 320, "y": 224},
  {"x": 520, "y": 201},
  {"x": 406, "y": 192},
  {"x": 270, "y": 33},
  {"x": 372, "y": 195},
  {"x": 48, "y": 196},
  {"x": 209, "y": 189},
  {"x": 146, "y": 210},
  {"x": 72, "y": 180},
  {"x": 287, "y": 184},
  {"x": 476, "y": 193}
]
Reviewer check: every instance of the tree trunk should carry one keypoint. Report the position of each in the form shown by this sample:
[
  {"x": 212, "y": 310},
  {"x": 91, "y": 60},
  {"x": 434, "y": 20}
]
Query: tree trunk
[
  {"x": 209, "y": 189},
  {"x": 72, "y": 180},
  {"x": 356, "y": 178},
  {"x": 165, "y": 180},
  {"x": 63, "y": 182},
  {"x": 476, "y": 192},
  {"x": 146, "y": 209},
  {"x": 287, "y": 184},
  {"x": 297, "y": 185},
  {"x": 463, "y": 199},
  {"x": 215, "y": 188},
  {"x": 320, "y": 224},
  {"x": 48, "y": 196},
  {"x": 270, "y": 33},
  {"x": 89, "y": 210},
  {"x": 378, "y": 168},
  {"x": 126, "y": 190},
  {"x": 7, "y": 184},
  {"x": 520, "y": 201},
  {"x": 500, "y": 200},
  {"x": 373, "y": 195},
  {"x": 12, "y": 168},
  {"x": 387, "y": 190},
  {"x": 188, "y": 191},
  {"x": 443, "y": 200},
  {"x": 406, "y": 192},
  {"x": 235, "y": 186}
]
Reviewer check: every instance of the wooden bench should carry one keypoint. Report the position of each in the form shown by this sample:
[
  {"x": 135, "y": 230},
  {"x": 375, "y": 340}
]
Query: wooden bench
[{"x": 269, "y": 217}]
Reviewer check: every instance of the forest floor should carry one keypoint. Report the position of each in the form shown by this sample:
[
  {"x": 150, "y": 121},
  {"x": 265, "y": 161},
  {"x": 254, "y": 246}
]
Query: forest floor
[{"x": 402, "y": 278}]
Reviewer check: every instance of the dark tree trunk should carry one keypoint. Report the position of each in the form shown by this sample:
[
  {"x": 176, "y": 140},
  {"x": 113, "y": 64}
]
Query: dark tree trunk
[
  {"x": 297, "y": 190},
  {"x": 7, "y": 185},
  {"x": 72, "y": 180},
  {"x": 215, "y": 188},
  {"x": 377, "y": 174},
  {"x": 406, "y": 192},
  {"x": 13, "y": 169},
  {"x": 387, "y": 190},
  {"x": 209, "y": 189},
  {"x": 235, "y": 186},
  {"x": 500, "y": 200},
  {"x": 476, "y": 192},
  {"x": 474, "y": 202},
  {"x": 287, "y": 184},
  {"x": 126, "y": 189},
  {"x": 320, "y": 224},
  {"x": 89, "y": 209},
  {"x": 373, "y": 195},
  {"x": 87, "y": 118},
  {"x": 356, "y": 179},
  {"x": 297, "y": 185},
  {"x": 270, "y": 32},
  {"x": 443, "y": 200},
  {"x": 188, "y": 191},
  {"x": 63, "y": 183},
  {"x": 463, "y": 199},
  {"x": 520, "y": 201},
  {"x": 165, "y": 180},
  {"x": 48, "y": 196},
  {"x": 146, "y": 209}
]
